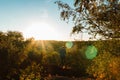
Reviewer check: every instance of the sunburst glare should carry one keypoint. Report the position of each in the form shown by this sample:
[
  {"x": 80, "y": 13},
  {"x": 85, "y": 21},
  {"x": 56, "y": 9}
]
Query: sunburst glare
[{"x": 41, "y": 31}]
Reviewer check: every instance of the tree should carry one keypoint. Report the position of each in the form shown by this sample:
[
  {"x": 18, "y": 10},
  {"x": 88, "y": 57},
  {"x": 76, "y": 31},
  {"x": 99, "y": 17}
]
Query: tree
[
  {"x": 105, "y": 67},
  {"x": 97, "y": 17},
  {"x": 12, "y": 46},
  {"x": 32, "y": 72}
]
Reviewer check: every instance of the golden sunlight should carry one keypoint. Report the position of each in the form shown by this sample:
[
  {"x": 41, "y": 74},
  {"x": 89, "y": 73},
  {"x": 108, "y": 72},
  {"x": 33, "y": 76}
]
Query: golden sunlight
[{"x": 41, "y": 31}]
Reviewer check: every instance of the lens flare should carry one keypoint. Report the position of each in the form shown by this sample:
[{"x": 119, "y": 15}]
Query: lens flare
[
  {"x": 69, "y": 44},
  {"x": 91, "y": 52}
]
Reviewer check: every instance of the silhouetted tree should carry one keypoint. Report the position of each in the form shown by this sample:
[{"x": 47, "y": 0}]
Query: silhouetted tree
[
  {"x": 97, "y": 17},
  {"x": 12, "y": 46}
]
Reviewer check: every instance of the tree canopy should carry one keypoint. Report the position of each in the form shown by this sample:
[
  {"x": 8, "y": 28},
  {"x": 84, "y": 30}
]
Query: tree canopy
[
  {"x": 23, "y": 59},
  {"x": 97, "y": 17}
]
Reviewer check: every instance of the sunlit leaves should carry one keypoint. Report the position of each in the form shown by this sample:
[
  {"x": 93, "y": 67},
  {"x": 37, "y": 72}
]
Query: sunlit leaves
[
  {"x": 23, "y": 59},
  {"x": 12, "y": 47},
  {"x": 96, "y": 16},
  {"x": 105, "y": 66},
  {"x": 32, "y": 72},
  {"x": 76, "y": 2},
  {"x": 52, "y": 58},
  {"x": 77, "y": 28},
  {"x": 64, "y": 14}
]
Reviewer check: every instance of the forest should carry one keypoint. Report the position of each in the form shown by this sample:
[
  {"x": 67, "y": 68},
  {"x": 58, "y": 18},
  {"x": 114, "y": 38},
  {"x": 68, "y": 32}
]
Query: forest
[{"x": 30, "y": 59}]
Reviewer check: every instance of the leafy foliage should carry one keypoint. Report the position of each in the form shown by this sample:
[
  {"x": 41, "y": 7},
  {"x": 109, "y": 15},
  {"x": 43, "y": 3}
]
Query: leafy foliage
[
  {"x": 105, "y": 67},
  {"x": 97, "y": 17},
  {"x": 52, "y": 58},
  {"x": 12, "y": 47},
  {"x": 32, "y": 72},
  {"x": 31, "y": 59}
]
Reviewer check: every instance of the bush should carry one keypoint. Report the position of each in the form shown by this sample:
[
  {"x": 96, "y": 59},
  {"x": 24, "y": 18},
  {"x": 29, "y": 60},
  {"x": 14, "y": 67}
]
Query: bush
[
  {"x": 32, "y": 72},
  {"x": 52, "y": 58},
  {"x": 105, "y": 67}
]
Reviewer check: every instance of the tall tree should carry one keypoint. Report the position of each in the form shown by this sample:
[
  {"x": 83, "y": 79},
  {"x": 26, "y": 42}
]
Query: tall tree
[
  {"x": 97, "y": 17},
  {"x": 12, "y": 46}
]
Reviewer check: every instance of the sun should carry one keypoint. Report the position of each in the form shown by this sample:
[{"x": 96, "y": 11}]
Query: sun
[{"x": 41, "y": 31}]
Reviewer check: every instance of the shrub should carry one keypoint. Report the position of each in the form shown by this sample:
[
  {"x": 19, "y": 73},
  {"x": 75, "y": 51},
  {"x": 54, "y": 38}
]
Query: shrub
[
  {"x": 32, "y": 72},
  {"x": 105, "y": 67}
]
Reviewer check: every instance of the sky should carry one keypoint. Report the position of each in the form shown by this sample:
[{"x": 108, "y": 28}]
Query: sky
[{"x": 39, "y": 19}]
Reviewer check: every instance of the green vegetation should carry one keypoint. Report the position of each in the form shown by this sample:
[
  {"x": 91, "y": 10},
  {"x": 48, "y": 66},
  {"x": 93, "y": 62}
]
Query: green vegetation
[
  {"x": 34, "y": 60},
  {"x": 105, "y": 67}
]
